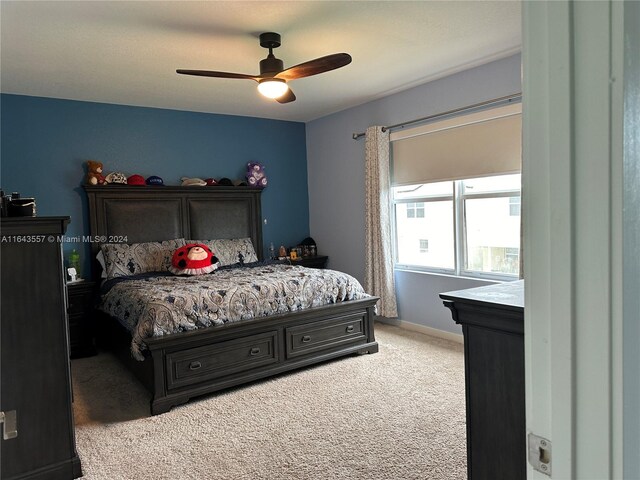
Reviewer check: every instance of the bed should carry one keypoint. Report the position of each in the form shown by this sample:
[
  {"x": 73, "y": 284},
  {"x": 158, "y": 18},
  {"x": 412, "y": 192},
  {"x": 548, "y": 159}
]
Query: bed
[{"x": 179, "y": 366}]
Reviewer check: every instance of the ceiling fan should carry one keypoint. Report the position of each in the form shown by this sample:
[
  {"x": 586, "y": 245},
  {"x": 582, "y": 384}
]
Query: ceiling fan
[{"x": 273, "y": 78}]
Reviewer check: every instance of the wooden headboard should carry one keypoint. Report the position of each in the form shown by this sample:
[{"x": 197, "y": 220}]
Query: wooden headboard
[{"x": 146, "y": 214}]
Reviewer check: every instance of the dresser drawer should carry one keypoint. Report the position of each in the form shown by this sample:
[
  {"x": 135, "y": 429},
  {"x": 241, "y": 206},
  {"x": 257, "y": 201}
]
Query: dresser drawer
[
  {"x": 75, "y": 320},
  {"x": 80, "y": 298},
  {"x": 78, "y": 304},
  {"x": 221, "y": 359},
  {"x": 326, "y": 334}
]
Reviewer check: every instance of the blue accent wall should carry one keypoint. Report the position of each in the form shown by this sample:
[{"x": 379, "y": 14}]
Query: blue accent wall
[{"x": 45, "y": 143}]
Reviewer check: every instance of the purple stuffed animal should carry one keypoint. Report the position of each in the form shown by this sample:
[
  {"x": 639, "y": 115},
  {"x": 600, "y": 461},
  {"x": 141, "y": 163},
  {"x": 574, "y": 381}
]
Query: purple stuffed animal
[{"x": 255, "y": 175}]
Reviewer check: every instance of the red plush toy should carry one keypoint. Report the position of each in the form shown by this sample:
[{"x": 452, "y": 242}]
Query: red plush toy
[{"x": 193, "y": 259}]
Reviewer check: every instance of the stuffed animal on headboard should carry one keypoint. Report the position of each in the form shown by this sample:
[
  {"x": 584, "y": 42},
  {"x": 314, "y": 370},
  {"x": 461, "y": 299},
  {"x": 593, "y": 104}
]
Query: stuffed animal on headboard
[
  {"x": 255, "y": 175},
  {"x": 193, "y": 259},
  {"x": 94, "y": 173}
]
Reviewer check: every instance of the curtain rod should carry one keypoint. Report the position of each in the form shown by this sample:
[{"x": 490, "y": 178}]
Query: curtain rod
[{"x": 506, "y": 99}]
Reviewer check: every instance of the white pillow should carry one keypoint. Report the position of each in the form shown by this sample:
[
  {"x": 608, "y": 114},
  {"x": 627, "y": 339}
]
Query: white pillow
[
  {"x": 228, "y": 250},
  {"x": 122, "y": 260},
  {"x": 100, "y": 259}
]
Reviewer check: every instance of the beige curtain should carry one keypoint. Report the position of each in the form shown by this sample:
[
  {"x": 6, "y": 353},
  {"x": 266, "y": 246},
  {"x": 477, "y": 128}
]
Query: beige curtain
[{"x": 379, "y": 279}]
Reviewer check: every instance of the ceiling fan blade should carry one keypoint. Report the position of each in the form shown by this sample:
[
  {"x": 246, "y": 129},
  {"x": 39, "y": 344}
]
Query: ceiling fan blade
[
  {"x": 287, "y": 97},
  {"x": 314, "y": 67},
  {"x": 209, "y": 73}
]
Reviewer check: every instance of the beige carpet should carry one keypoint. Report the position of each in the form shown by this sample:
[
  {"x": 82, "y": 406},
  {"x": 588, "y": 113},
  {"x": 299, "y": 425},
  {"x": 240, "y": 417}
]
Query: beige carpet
[{"x": 398, "y": 414}]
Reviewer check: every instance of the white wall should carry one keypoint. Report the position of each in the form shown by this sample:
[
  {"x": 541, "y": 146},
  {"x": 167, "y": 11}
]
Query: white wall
[{"x": 336, "y": 178}]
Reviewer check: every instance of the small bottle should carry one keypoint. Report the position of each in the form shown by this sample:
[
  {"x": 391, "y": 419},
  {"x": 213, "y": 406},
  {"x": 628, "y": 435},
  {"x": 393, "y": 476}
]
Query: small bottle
[
  {"x": 272, "y": 251},
  {"x": 74, "y": 261}
]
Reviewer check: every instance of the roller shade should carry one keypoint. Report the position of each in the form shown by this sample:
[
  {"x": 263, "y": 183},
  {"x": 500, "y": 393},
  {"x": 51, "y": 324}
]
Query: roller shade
[{"x": 482, "y": 144}]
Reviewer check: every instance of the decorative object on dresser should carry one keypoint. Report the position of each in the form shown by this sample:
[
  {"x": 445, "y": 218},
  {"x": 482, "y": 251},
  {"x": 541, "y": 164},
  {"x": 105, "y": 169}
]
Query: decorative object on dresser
[
  {"x": 492, "y": 320},
  {"x": 80, "y": 307},
  {"x": 17, "y": 206},
  {"x": 35, "y": 395},
  {"x": 179, "y": 366}
]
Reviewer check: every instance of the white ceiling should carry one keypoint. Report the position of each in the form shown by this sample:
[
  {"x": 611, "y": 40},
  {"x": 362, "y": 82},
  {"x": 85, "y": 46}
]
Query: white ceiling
[{"x": 127, "y": 52}]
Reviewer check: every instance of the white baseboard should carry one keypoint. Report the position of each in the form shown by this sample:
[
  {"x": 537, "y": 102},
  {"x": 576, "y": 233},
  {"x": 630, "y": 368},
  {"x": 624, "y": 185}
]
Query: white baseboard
[{"x": 414, "y": 327}]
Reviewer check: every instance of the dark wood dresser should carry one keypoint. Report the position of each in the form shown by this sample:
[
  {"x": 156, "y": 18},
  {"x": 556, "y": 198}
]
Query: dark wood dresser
[
  {"x": 492, "y": 320},
  {"x": 35, "y": 395}
]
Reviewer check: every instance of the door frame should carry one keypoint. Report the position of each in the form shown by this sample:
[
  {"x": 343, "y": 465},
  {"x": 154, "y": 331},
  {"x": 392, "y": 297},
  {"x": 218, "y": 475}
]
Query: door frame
[{"x": 573, "y": 106}]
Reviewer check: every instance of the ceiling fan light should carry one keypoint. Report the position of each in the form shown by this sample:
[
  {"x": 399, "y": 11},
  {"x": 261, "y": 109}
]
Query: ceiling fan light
[{"x": 273, "y": 88}]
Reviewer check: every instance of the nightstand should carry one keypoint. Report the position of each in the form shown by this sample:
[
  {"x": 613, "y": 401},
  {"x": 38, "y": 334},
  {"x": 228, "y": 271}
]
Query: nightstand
[
  {"x": 80, "y": 309},
  {"x": 319, "y": 261}
]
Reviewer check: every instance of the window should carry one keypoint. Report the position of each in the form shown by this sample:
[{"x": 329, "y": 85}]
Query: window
[
  {"x": 435, "y": 224},
  {"x": 514, "y": 206},
  {"x": 456, "y": 194},
  {"x": 466, "y": 227},
  {"x": 415, "y": 210}
]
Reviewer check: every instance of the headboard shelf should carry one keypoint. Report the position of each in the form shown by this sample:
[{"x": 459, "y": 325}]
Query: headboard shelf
[
  {"x": 146, "y": 189},
  {"x": 156, "y": 213}
]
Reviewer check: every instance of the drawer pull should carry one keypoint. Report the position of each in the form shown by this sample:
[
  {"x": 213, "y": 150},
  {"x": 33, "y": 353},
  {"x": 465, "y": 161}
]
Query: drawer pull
[
  {"x": 254, "y": 351},
  {"x": 194, "y": 365},
  {"x": 306, "y": 339},
  {"x": 350, "y": 329}
]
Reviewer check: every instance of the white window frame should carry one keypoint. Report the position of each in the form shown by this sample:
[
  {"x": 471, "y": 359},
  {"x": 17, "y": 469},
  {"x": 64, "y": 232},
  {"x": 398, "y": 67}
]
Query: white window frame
[{"x": 459, "y": 232}]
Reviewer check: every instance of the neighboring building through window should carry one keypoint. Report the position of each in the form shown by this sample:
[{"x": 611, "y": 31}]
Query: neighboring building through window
[
  {"x": 415, "y": 210},
  {"x": 514, "y": 206},
  {"x": 436, "y": 225},
  {"x": 472, "y": 226}
]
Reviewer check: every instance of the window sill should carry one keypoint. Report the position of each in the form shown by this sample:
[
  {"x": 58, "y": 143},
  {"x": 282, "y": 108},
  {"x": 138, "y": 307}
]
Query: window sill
[{"x": 480, "y": 278}]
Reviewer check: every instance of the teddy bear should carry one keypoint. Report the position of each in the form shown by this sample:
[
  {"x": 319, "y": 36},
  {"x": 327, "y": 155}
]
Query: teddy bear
[
  {"x": 255, "y": 175},
  {"x": 94, "y": 173}
]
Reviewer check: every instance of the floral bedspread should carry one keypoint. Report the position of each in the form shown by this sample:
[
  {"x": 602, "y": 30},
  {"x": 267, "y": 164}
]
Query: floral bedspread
[{"x": 160, "y": 304}]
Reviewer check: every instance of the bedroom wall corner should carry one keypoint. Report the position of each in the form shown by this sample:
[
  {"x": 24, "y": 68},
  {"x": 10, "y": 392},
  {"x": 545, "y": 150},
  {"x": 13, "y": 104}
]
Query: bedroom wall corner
[{"x": 336, "y": 178}]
